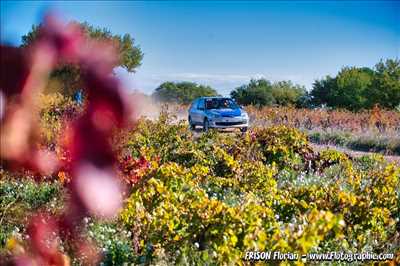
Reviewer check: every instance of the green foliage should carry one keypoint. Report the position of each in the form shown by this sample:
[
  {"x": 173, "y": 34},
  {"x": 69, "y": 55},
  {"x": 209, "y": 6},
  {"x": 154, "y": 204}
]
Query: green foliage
[
  {"x": 206, "y": 199},
  {"x": 129, "y": 54},
  {"x": 286, "y": 93},
  {"x": 182, "y": 92},
  {"x": 19, "y": 198},
  {"x": 352, "y": 84},
  {"x": 385, "y": 89},
  {"x": 360, "y": 88},
  {"x": 210, "y": 198},
  {"x": 321, "y": 92},
  {"x": 262, "y": 92},
  {"x": 28, "y": 192},
  {"x": 368, "y": 143},
  {"x": 257, "y": 92},
  {"x": 31, "y": 36},
  {"x": 283, "y": 145},
  {"x": 335, "y": 138},
  {"x": 115, "y": 244}
]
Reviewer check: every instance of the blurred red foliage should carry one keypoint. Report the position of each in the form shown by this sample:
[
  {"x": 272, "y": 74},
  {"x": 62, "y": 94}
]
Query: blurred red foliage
[
  {"x": 133, "y": 169},
  {"x": 94, "y": 186}
]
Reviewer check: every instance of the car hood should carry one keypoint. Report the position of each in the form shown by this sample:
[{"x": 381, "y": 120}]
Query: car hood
[{"x": 226, "y": 112}]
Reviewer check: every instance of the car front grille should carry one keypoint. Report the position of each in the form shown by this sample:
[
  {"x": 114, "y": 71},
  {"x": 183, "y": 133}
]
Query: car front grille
[{"x": 230, "y": 123}]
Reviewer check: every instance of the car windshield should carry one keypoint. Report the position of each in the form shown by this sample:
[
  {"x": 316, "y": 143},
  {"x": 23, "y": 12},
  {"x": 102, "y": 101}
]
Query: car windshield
[{"x": 220, "y": 103}]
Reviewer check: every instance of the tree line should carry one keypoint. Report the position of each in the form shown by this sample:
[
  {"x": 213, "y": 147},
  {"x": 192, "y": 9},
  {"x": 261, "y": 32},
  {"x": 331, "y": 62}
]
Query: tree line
[
  {"x": 357, "y": 88},
  {"x": 258, "y": 92},
  {"x": 353, "y": 88}
]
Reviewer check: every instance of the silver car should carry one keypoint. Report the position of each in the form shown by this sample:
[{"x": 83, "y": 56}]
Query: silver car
[{"x": 217, "y": 112}]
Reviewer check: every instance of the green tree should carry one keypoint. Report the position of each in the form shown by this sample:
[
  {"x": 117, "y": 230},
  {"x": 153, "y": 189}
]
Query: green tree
[
  {"x": 349, "y": 89},
  {"x": 321, "y": 94},
  {"x": 262, "y": 92},
  {"x": 129, "y": 55},
  {"x": 360, "y": 88},
  {"x": 385, "y": 89},
  {"x": 257, "y": 92},
  {"x": 182, "y": 92},
  {"x": 286, "y": 93},
  {"x": 352, "y": 86}
]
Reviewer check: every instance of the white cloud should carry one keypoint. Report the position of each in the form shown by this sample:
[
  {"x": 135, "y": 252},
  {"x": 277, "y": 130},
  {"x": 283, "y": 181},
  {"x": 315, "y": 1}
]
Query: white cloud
[
  {"x": 213, "y": 77},
  {"x": 223, "y": 83}
]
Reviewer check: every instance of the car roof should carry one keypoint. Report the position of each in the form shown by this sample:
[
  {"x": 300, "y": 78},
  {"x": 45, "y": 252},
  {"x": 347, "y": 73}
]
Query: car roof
[
  {"x": 211, "y": 97},
  {"x": 214, "y": 97}
]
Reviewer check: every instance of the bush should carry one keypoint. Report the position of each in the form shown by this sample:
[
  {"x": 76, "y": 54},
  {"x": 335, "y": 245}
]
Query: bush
[{"x": 283, "y": 145}]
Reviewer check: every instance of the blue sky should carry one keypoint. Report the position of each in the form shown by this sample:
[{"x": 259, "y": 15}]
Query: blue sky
[{"x": 226, "y": 43}]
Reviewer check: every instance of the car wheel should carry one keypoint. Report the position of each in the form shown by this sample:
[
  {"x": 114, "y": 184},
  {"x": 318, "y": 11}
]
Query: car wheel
[
  {"x": 191, "y": 125},
  {"x": 206, "y": 125},
  {"x": 243, "y": 129}
]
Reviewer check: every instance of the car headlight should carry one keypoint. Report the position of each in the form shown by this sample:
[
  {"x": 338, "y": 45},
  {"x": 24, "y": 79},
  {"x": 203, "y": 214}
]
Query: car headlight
[{"x": 244, "y": 115}]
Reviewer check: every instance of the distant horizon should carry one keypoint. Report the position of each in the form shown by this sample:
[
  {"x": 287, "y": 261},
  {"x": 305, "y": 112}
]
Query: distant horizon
[{"x": 225, "y": 44}]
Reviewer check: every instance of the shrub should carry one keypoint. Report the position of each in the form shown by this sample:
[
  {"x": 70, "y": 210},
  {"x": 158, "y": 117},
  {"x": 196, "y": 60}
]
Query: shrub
[{"x": 283, "y": 145}]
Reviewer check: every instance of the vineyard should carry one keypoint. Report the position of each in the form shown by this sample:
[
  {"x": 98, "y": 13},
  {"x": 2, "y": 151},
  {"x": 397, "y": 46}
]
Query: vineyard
[
  {"x": 374, "y": 130},
  {"x": 92, "y": 182},
  {"x": 209, "y": 198}
]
